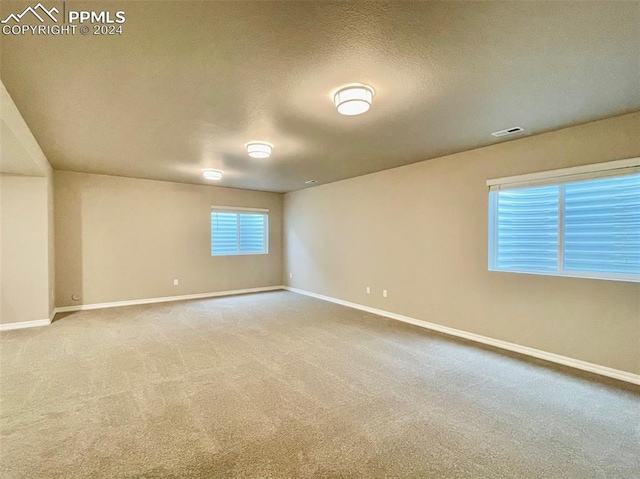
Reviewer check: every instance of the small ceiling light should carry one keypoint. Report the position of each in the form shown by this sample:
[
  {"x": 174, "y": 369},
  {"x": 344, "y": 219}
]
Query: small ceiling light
[
  {"x": 353, "y": 99},
  {"x": 212, "y": 174},
  {"x": 259, "y": 149},
  {"x": 310, "y": 182}
]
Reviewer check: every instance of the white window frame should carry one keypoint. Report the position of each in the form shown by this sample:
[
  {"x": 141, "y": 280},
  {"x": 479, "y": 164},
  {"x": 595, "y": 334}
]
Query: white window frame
[
  {"x": 239, "y": 210},
  {"x": 548, "y": 178}
]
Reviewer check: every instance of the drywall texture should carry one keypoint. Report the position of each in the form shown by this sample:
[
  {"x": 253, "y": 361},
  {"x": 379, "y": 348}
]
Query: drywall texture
[
  {"x": 121, "y": 239},
  {"x": 24, "y": 249},
  {"x": 420, "y": 231},
  {"x": 446, "y": 74}
]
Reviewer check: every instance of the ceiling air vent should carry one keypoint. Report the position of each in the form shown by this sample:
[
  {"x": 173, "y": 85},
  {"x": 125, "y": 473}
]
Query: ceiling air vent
[{"x": 508, "y": 131}]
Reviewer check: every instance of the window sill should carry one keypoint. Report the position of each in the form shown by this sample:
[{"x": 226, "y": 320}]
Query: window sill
[
  {"x": 628, "y": 278},
  {"x": 238, "y": 254}
]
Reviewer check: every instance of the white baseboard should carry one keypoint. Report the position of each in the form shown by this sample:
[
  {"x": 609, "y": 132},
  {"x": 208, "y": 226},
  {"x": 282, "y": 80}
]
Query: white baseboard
[
  {"x": 536, "y": 353},
  {"x": 116, "y": 304},
  {"x": 25, "y": 324},
  {"x": 29, "y": 324}
]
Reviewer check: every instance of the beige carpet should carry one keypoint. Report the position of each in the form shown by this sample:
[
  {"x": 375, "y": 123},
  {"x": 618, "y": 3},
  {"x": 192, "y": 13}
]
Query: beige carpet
[{"x": 281, "y": 385}]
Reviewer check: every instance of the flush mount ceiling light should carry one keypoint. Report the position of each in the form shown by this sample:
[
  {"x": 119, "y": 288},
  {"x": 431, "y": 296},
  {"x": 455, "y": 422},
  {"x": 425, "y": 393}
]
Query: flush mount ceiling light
[
  {"x": 209, "y": 174},
  {"x": 259, "y": 149},
  {"x": 353, "y": 99}
]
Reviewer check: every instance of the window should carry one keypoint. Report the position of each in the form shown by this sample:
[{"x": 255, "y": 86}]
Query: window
[
  {"x": 236, "y": 231},
  {"x": 582, "y": 221}
]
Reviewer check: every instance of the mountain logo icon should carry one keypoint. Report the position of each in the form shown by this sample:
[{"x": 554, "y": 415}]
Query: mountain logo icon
[{"x": 34, "y": 10}]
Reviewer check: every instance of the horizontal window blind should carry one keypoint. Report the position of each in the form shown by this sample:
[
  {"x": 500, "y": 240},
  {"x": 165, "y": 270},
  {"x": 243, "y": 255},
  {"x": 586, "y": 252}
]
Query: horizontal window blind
[
  {"x": 587, "y": 228},
  {"x": 238, "y": 232},
  {"x": 602, "y": 225},
  {"x": 527, "y": 233},
  {"x": 251, "y": 233},
  {"x": 224, "y": 233}
]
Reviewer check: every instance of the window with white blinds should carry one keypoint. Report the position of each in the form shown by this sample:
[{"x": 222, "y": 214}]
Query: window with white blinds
[
  {"x": 575, "y": 223},
  {"x": 237, "y": 231}
]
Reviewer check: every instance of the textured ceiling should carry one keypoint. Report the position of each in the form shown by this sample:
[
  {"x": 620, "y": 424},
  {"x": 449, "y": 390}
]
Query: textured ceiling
[{"x": 187, "y": 84}]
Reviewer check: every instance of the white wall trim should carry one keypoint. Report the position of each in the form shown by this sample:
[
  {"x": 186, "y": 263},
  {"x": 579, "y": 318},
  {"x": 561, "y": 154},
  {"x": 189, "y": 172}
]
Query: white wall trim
[
  {"x": 536, "y": 353},
  {"x": 239, "y": 208},
  {"x": 25, "y": 324},
  {"x": 580, "y": 172},
  {"x": 116, "y": 304}
]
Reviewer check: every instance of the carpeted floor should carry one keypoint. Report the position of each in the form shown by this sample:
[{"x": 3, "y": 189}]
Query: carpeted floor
[{"x": 281, "y": 385}]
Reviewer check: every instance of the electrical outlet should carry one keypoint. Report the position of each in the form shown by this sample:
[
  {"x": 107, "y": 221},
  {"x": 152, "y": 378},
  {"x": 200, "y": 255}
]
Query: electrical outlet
[
  {"x": 175, "y": 282},
  {"x": 384, "y": 293},
  {"x": 290, "y": 275},
  {"x": 368, "y": 290}
]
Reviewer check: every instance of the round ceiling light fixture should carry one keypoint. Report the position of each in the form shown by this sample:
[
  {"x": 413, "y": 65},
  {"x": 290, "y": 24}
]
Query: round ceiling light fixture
[
  {"x": 353, "y": 99},
  {"x": 259, "y": 149},
  {"x": 210, "y": 174}
]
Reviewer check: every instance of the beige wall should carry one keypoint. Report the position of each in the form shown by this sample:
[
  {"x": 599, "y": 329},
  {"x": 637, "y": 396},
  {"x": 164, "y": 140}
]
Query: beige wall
[
  {"x": 51, "y": 248},
  {"x": 420, "y": 231},
  {"x": 121, "y": 239},
  {"x": 27, "y": 262},
  {"x": 24, "y": 249}
]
